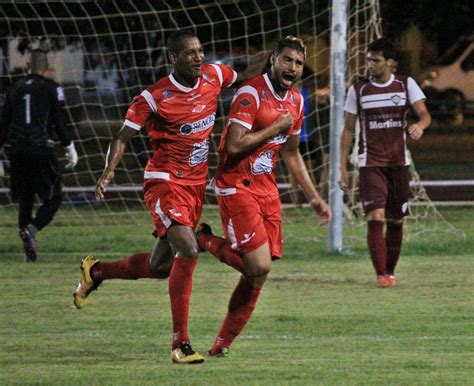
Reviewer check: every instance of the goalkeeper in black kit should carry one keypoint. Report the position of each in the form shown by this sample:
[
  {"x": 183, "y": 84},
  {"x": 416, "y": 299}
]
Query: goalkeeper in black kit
[{"x": 32, "y": 111}]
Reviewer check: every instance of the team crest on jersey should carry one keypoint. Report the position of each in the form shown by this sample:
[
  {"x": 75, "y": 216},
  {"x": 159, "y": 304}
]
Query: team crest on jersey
[
  {"x": 264, "y": 163},
  {"x": 201, "y": 125},
  {"x": 205, "y": 77},
  {"x": 396, "y": 99},
  {"x": 199, "y": 153},
  {"x": 264, "y": 95},
  {"x": 166, "y": 93},
  {"x": 293, "y": 99}
]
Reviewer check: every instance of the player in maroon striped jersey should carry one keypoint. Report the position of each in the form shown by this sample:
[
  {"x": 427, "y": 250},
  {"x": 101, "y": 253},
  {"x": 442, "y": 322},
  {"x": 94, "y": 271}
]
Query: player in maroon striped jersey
[{"x": 382, "y": 102}]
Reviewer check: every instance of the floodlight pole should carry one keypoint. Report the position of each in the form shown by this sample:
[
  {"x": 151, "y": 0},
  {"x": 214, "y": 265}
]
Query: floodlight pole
[{"x": 337, "y": 95}]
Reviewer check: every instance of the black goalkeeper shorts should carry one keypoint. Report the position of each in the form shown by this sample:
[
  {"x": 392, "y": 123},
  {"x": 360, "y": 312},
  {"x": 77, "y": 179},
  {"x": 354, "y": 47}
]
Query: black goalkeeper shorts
[{"x": 34, "y": 173}]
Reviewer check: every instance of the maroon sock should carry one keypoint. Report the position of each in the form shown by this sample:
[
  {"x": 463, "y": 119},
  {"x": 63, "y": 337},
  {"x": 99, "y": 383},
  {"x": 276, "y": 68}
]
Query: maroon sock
[
  {"x": 393, "y": 240},
  {"x": 180, "y": 287},
  {"x": 222, "y": 249},
  {"x": 377, "y": 247},
  {"x": 134, "y": 267},
  {"x": 241, "y": 305}
]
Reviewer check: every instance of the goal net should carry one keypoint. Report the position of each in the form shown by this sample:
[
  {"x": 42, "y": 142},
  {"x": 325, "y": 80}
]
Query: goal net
[{"x": 105, "y": 53}]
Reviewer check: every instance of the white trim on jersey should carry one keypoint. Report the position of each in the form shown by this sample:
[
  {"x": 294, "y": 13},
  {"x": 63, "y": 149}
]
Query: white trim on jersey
[
  {"x": 224, "y": 191},
  {"x": 390, "y": 99},
  {"x": 234, "y": 78},
  {"x": 219, "y": 73},
  {"x": 150, "y": 100},
  {"x": 231, "y": 233},
  {"x": 157, "y": 175},
  {"x": 131, "y": 124},
  {"x": 181, "y": 87},
  {"x": 270, "y": 86},
  {"x": 296, "y": 132},
  {"x": 249, "y": 90},
  {"x": 244, "y": 124},
  {"x": 164, "y": 218}
]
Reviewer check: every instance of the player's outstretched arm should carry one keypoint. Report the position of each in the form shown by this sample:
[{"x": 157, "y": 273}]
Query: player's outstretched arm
[
  {"x": 114, "y": 156},
  {"x": 296, "y": 166}
]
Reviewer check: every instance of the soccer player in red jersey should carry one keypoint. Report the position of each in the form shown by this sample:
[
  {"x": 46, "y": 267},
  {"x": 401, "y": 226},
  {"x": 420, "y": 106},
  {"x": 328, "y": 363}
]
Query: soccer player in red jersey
[
  {"x": 179, "y": 112},
  {"x": 265, "y": 118},
  {"x": 382, "y": 102}
]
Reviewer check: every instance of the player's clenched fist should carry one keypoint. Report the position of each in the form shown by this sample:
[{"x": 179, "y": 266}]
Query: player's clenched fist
[{"x": 284, "y": 123}]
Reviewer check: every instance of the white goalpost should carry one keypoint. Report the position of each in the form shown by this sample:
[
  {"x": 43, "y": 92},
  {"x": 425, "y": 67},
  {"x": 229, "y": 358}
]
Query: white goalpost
[{"x": 105, "y": 53}]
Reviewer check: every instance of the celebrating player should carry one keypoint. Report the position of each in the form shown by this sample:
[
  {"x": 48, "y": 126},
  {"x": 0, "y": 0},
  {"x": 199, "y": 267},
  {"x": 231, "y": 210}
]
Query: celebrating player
[
  {"x": 32, "y": 113},
  {"x": 382, "y": 102},
  {"x": 265, "y": 118},
  {"x": 179, "y": 112}
]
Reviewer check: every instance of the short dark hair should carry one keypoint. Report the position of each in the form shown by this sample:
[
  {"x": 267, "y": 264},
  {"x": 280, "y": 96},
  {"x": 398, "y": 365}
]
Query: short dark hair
[
  {"x": 39, "y": 61},
  {"x": 173, "y": 43},
  {"x": 290, "y": 41},
  {"x": 384, "y": 46}
]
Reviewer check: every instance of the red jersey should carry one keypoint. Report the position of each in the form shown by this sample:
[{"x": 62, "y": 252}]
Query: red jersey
[
  {"x": 179, "y": 121},
  {"x": 382, "y": 110},
  {"x": 256, "y": 106}
]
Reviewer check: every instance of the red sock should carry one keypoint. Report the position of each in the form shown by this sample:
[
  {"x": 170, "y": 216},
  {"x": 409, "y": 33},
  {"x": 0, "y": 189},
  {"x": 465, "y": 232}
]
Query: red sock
[
  {"x": 393, "y": 240},
  {"x": 134, "y": 267},
  {"x": 180, "y": 287},
  {"x": 377, "y": 247},
  {"x": 221, "y": 248},
  {"x": 241, "y": 305}
]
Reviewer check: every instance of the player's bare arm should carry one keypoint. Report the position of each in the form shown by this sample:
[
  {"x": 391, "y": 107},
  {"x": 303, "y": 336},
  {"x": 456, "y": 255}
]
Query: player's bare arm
[
  {"x": 346, "y": 144},
  {"x": 296, "y": 166},
  {"x": 240, "y": 139},
  {"x": 114, "y": 156},
  {"x": 424, "y": 120}
]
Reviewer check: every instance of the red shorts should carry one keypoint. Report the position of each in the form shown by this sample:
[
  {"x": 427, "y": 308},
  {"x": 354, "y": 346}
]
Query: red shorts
[
  {"x": 169, "y": 202},
  {"x": 249, "y": 221},
  {"x": 385, "y": 188}
]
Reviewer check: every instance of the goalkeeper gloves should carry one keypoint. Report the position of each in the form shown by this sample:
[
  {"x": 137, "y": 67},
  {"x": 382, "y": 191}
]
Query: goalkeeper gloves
[{"x": 71, "y": 155}]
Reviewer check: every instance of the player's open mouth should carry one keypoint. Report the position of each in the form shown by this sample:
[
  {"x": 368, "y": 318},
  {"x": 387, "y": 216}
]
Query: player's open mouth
[{"x": 288, "y": 79}]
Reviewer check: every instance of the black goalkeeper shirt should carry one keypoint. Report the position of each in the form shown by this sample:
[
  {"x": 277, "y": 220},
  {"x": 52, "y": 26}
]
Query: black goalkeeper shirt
[{"x": 32, "y": 110}]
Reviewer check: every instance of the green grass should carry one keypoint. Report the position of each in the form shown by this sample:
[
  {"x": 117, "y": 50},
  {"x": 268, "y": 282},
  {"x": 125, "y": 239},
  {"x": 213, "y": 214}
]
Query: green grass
[{"x": 320, "y": 319}]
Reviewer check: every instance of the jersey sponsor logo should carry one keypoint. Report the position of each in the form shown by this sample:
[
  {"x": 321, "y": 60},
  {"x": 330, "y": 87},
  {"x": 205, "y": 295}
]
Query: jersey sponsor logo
[
  {"x": 278, "y": 139},
  {"x": 263, "y": 164},
  {"x": 389, "y": 124},
  {"x": 195, "y": 127},
  {"x": 198, "y": 108},
  {"x": 282, "y": 108},
  {"x": 199, "y": 153}
]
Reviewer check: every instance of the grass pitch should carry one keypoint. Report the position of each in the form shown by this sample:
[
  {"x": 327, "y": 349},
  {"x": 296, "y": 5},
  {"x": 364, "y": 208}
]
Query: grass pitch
[{"x": 320, "y": 319}]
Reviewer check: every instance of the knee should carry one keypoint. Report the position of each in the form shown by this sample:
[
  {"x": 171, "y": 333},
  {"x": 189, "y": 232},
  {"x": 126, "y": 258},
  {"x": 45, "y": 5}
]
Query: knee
[
  {"x": 161, "y": 270},
  {"x": 259, "y": 269},
  {"x": 190, "y": 250}
]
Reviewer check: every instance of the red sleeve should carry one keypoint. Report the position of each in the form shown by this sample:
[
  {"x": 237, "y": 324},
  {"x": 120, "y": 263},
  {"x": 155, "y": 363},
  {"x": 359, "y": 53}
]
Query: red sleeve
[
  {"x": 244, "y": 106},
  {"x": 229, "y": 75},
  {"x": 138, "y": 113}
]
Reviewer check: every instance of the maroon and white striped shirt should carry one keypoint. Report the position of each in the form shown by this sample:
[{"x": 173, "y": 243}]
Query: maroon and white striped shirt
[{"x": 382, "y": 110}]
